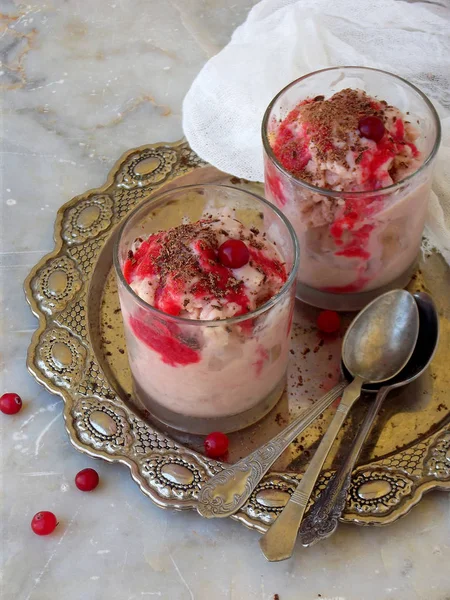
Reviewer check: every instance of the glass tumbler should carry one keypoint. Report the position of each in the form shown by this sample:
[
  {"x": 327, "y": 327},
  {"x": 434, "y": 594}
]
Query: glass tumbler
[
  {"x": 378, "y": 252},
  {"x": 203, "y": 376}
]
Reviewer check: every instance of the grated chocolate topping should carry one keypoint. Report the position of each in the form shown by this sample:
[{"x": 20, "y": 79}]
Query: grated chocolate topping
[
  {"x": 336, "y": 119},
  {"x": 178, "y": 259},
  {"x": 176, "y": 254}
]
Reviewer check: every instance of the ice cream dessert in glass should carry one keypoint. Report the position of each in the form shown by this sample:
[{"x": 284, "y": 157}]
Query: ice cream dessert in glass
[
  {"x": 206, "y": 277},
  {"x": 348, "y": 157}
]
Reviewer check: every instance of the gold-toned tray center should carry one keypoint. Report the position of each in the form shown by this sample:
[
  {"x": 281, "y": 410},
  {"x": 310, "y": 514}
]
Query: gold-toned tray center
[{"x": 408, "y": 415}]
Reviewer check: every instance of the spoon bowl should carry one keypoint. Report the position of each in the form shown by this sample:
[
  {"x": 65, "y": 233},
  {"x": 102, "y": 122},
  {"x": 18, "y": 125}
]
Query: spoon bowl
[
  {"x": 424, "y": 350},
  {"x": 382, "y": 338}
]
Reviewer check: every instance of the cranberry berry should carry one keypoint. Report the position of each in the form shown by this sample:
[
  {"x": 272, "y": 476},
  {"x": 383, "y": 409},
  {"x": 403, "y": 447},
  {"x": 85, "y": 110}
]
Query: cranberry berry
[
  {"x": 86, "y": 480},
  {"x": 371, "y": 128},
  {"x": 43, "y": 523},
  {"x": 234, "y": 254},
  {"x": 328, "y": 321},
  {"x": 10, "y": 404},
  {"x": 216, "y": 444}
]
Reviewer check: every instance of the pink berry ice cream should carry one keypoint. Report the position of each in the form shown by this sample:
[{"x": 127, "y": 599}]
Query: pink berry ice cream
[
  {"x": 350, "y": 142},
  {"x": 182, "y": 271},
  {"x": 211, "y": 271}
]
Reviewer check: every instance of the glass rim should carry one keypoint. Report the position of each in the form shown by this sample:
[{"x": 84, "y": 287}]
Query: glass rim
[
  {"x": 205, "y": 322},
  {"x": 358, "y": 194}
]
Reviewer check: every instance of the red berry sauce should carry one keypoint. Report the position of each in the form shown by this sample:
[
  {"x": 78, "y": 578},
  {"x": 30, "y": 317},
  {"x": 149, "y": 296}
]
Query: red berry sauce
[
  {"x": 262, "y": 356},
  {"x": 290, "y": 147},
  {"x": 274, "y": 185},
  {"x": 165, "y": 339},
  {"x": 189, "y": 264}
]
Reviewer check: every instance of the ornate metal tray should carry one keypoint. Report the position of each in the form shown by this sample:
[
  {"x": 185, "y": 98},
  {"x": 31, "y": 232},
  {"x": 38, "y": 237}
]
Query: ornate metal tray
[{"x": 78, "y": 352}]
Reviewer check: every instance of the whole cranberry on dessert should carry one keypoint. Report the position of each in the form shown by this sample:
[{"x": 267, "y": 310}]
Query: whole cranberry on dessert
[
  {"x": 234, "y": 254},
  {"x": 371, "y": 128},
  {"x": 216, "y": 444},
  {"x": 328, "y": 321},
  {"x": 43, "y": 522},
  {"x": 10, "y": 404},
  {"x": 87, "y": 480}
]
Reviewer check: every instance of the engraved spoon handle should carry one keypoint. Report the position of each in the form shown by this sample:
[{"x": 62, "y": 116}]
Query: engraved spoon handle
[
  {"x": 323, "y": 518},
  {"x": 279, "y": 541},
  {"x": 227, "y": 491}
]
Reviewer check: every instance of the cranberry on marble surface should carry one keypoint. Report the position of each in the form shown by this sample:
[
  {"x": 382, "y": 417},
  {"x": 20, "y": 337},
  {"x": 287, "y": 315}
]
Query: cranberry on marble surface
[
  {"x": 10, "y": 403},
  {"x": 43, "y": 522},
  {"x": 87, "y": 480}
]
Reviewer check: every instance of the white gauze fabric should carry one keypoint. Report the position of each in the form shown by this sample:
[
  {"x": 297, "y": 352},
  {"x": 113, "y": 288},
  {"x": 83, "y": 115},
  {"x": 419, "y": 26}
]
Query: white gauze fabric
[{"x": 282, "y": 40}]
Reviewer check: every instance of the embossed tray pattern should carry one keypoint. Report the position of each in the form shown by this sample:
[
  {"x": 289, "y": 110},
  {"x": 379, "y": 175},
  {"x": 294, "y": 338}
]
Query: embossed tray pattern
[{"x": 101, "y": 423}]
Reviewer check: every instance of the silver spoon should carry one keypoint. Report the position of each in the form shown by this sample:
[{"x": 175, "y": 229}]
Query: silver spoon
[
  {"x": 225, "y": 493},
  {"x": 376, "y": 347},
  {"x": 323, "y": 518}
]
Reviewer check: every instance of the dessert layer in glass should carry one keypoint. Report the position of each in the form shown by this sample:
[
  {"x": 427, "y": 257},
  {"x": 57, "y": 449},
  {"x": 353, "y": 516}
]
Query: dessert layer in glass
[
  {"x": 352, "y": 172},
  {"x": 207, "y": 304}
]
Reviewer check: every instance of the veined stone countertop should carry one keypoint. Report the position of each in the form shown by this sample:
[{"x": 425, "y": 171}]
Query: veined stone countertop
[{"x": 82, "y": 82}]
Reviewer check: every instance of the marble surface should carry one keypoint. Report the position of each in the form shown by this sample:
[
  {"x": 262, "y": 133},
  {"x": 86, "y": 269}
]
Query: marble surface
[{"x": 83, "y": 81}]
